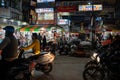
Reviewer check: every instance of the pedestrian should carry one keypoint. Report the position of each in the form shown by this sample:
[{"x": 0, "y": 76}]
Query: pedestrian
[
  {"x": 44, "y": 42},
  {"x": 39, "y": 38}
]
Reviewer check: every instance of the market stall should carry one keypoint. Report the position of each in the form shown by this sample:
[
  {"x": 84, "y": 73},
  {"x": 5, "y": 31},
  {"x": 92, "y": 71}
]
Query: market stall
[{"x": 50, "y": 31}]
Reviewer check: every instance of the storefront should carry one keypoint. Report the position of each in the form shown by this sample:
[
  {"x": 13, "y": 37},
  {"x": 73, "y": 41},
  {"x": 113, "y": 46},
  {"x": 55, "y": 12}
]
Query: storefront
[{"x": 50, "y": 31}]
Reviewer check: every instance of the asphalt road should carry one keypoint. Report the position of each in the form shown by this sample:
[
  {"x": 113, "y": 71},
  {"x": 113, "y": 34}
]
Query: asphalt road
[{"x": 65, "y": 68}]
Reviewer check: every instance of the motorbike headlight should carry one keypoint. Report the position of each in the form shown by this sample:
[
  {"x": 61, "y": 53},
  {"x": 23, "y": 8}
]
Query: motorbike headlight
[
  {"x": 94, "y": 56},
  {"x": 98, "y": 59}
]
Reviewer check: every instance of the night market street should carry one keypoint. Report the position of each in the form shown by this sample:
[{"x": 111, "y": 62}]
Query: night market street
[
  {"x": 59, "y": 39},
  {"x": 66, "y": 68}
]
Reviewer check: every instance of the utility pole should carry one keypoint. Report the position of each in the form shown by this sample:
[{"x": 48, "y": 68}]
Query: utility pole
[
  {"x": 55, "y": 13},
  {"x": 92, "y": 23}
]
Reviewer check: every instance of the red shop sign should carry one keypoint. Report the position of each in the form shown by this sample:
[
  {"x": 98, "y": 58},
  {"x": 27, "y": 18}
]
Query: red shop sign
[{"x": 66, "y": 9}]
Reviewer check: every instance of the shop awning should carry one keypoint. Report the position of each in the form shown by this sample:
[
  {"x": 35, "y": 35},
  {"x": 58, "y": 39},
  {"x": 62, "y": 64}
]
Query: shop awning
[
  {"x": 30, "y": 28},
  {"x": 39, "y": 27},
  {"x": 49, "y": 27}
]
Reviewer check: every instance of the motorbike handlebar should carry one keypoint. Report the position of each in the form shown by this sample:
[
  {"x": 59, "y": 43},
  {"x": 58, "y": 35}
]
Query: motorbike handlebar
[{"x": 21, "y": 51}]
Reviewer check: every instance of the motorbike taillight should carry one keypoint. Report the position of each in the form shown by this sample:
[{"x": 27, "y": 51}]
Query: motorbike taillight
[{"x": 32, "y": 66}]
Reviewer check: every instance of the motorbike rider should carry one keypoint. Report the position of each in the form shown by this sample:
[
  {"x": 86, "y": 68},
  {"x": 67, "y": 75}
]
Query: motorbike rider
[
  {"x": 9, "y": 45},
  {"x": 35, "y": 46},
  {"x": 8, "y": 49}
]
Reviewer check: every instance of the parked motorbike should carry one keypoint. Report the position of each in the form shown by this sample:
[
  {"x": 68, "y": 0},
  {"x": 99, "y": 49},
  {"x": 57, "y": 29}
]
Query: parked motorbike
[
  {"x": 64, "y": 49},
  {"x": 73, "y": 47}
]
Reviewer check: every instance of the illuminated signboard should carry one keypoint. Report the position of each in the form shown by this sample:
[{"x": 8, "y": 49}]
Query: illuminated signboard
[
  {"x": 43, "y": 10},
  {"x": 62, "y": 21},
  {"x": 96, "y": 7},
  {"x": 41, "y": 1},
  {"x": 66, "y": 8},
  {"x": 46, "y": 16}
]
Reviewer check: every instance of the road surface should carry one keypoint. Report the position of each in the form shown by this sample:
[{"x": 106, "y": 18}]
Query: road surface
[{"x": 66, "y": 68}]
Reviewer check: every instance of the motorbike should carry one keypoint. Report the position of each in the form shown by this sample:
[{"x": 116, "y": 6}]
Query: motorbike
[
  {"x": 102, "y": 66},
  {"x": 25, "y": 66},
  {"x": 43, "y": 62},
  {"x": 64, "y": 49},
  {"x": 73, "y": 47},
  {"x": 94, "y": 68},
  {"x": 95, "y": 57},
  {"x": 19, "y": 70}
]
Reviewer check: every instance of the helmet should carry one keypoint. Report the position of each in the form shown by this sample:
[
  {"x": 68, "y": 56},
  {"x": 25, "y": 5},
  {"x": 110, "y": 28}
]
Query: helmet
[
  {"x": 35, "y": 35},
  {"x": 9, "y": 29}
]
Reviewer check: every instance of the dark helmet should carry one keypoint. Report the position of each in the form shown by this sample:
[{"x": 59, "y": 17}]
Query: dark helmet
[
  {"x": 9, "y": 29},
  {"x": 35, "y": 35}
]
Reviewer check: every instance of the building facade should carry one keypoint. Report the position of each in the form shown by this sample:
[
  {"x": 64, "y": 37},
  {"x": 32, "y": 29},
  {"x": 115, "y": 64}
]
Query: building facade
[
  {"x": 14, "y": 12},
  {"x": 33, "y": 15},
  {"x": 10, "y": 12}
]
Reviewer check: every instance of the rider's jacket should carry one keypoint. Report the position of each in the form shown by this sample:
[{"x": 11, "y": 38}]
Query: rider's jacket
[
  {"x": 9, "y": 48},
  {"x": 35, "y": 46}
]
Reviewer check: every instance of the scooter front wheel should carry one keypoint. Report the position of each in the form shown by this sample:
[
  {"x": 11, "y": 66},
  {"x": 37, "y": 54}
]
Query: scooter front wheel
[
  {"x": 47, "y": 68},
  {"x": 91, "y": 63},
  {"x": 93, "y": 73}
]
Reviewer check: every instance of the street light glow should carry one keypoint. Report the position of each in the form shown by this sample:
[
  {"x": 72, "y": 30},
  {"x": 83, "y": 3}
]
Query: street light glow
[
  {"x": 89, "y": 3},
  {"x": 5, "y": 20}
]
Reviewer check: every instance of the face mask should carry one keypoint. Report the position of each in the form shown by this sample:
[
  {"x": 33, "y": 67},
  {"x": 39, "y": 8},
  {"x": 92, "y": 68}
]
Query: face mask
[{"x": 1, "y": 40}]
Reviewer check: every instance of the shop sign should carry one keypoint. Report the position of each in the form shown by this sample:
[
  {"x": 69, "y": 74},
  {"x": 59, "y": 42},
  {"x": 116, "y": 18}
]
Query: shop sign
[
  {"x": 44, "y": 10},
  {"x": 41, "y": 1},
  {"x": 45, "y": 22},
  {"x": 45, "y": 16},
  {"x": 89, "y": 7},
  {"x": 62, "y": 21},
  {"x": 66, "y": 8}
]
